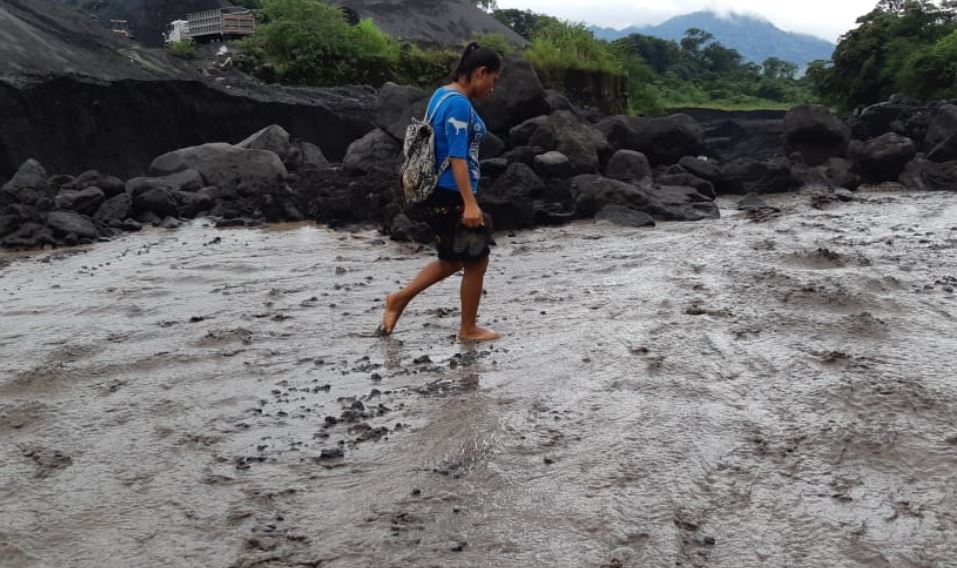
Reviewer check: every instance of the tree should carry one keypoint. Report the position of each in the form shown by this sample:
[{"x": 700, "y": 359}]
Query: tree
[
  {"x": 695, "y": 39},
  {"x": 774, "y": 68},
  {"x": 523, "y": 22},
  {"x": 891, "y": 50}
]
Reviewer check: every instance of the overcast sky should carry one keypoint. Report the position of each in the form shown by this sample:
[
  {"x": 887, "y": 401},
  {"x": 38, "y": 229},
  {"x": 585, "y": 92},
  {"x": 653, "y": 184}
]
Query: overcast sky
[{"x": 824, "y": 18}]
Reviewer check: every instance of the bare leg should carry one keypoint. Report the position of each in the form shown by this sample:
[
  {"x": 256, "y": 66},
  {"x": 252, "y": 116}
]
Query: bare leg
[
  {"x": 472, "y": 283},
  {"x": 395, "y": 304}
]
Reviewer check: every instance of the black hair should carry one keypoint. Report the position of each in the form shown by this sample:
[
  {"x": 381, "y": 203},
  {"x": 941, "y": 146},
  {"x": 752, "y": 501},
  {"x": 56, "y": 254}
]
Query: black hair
[{"x": 475, "y": 57}]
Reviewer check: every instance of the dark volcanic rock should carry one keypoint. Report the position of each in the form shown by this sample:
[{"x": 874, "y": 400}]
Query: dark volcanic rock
[
  {"x": 117, "y": 208},
  {"x": 186, "y": 180},
  {"x": 311, "y": 156},
  {"x": 85, "y": 201},
  {"x": 629, "y": 166},
  {"x": 30, "y": 175},
  {"x": 510, "y": 200},
  {"x": 275, "y": 139},
  {"x": 492, "y": 147},
  {"x": 925, "y": 175},
  {"x": 405, "y": 230},
  {"x": 816, "y": 133},
  {"x": 680, "y": 203},
  {"x": 250, "y": 172},
  {"x": 884, "y": 157},
  {"x": 518, "y": 97},
  {"x": 751, "y": 176},
  {"x": 753, "y": 202},
  {"x": 698, "y": 167},
  {"x": 397, "y": 106},
  {"x": 746, "y": 137},
  {"x": 160, "y": 201},
  {"x": 65, "y": 223},
  {"x": 662, "y": 140},
  {"x": 584, "y": 146},
  {"x": 110, "y": 185},
  {"x": 941, "y": 139},
  {"x": 494, "y": 167},
  {"x": 618, "y": 215},
  {"x": 702, "y": 186},
  {"x": 374, "y": 152},
  {"x": 554, "y": 165}
]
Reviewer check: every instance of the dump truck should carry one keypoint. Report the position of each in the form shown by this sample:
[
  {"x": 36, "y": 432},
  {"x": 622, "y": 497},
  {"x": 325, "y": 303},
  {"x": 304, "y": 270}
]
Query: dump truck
[{"x": 225, "y": 23}]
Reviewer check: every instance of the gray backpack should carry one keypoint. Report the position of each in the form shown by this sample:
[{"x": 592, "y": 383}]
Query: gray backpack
[{"x": 419, "y": 174}]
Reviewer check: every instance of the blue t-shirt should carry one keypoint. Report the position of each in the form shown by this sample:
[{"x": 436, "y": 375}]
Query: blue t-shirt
[{"x": 458, "y": 134}]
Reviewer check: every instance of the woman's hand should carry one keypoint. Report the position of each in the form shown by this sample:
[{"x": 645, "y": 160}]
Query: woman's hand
[{"x": 472, "y": 216}]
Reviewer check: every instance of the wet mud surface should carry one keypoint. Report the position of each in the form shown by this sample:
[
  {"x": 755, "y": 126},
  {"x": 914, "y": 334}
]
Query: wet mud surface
[{"x": 748, "y": 392}]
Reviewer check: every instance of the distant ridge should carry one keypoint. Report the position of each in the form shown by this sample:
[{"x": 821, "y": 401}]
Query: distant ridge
[{"x": 754, "y": 38}]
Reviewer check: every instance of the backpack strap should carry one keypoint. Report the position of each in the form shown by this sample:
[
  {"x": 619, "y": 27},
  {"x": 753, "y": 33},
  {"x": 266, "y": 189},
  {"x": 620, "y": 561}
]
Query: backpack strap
[{"x": 429, "y": 117}]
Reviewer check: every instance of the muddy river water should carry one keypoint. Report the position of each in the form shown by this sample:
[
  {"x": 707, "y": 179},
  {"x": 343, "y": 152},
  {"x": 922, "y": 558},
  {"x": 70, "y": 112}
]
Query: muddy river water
[{"x": 733, "y": 393}]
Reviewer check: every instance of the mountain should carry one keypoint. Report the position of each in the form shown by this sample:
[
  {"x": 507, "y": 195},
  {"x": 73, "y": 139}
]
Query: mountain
[{"x": 754, "y": 38}]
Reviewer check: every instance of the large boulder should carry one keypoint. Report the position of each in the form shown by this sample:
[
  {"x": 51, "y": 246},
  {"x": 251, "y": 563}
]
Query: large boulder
[
  {"x": 701, "y": 168},
  {"x": 30, "y": 175},
  {"x": 397, "y": 106},
  {"x": 273, "y": 138},
  {"x": 160, "y": 201},
  {"x": 591, "y": 193},
  {"x": 584, "y": 146},
  {"x": 629, "y": 166},
  {"x": 816, "y": 133},
  {"x": 311, "y": 156},
  {"x": 663, "y": 140},
  {"x": 65, "y": 223},
  {"x": 250, "y": 172},
  {"x": 518, "y": 97},
  {"x": 926, "y": 175},
  {"x": 623, "y": 216},
  {"x": 186, "y": 180},
  {"x": 735, "y": 138},
  {"x": 941, "y": 138},
  {"x": 754, "y": 176},
  {"x": 681, "y": 203},
  {"x": 521, "y": 134},
  {"x": 84, "y": 201},
  {"x": 841, "y": 173},
  {"x": 492, "y": 147},
  {"x": 510, "y": 200},
  {"x": 554, "y": 165},
  {"x": 684, "y": 179},
  {"x": 374, "y": 152},
  {"x": 110, "y": 185},
  {"x": 884, "y": 157},
  {"x": 115, "y": 209}
]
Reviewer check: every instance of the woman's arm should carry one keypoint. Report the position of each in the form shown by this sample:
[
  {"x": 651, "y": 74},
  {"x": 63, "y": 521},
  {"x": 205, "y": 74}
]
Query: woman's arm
[{"x": 472, "y": 216}]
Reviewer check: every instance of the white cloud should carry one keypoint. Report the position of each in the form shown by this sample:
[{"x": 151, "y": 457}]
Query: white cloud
[{"x": 824, "y": 18}]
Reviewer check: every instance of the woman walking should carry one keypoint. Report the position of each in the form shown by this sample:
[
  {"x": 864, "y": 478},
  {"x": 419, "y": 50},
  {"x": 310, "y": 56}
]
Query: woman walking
[{"x": 458, "y": 135}]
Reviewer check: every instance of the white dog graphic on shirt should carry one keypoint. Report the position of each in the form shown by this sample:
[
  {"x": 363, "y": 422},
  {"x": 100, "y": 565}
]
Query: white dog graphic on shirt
[{"x": 458, "y": 125}]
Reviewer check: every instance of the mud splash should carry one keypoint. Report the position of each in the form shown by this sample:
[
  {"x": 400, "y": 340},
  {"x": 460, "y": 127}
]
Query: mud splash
[{"x": 720, "y": 394}]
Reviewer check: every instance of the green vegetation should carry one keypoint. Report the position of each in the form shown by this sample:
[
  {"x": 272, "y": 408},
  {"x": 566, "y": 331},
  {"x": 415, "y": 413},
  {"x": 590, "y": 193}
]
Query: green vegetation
[
  {"x": 183, "y": 49},
  {"x": 310, "y": 42},
  {"x": 902, "y": 46}
]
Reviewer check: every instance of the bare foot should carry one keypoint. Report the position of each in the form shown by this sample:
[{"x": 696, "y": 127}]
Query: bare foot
[
  {"x": 394, "y": 307},
  {"x": 479, "y": 334}
]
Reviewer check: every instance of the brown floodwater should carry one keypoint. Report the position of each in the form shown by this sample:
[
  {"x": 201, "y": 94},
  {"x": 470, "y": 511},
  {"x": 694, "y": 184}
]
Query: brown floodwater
[{"x": 748, "y": 392}]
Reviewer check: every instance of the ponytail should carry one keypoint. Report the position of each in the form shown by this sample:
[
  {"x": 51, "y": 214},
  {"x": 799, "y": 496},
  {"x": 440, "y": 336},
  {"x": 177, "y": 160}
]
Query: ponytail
[{"x": 475, "y": 57}]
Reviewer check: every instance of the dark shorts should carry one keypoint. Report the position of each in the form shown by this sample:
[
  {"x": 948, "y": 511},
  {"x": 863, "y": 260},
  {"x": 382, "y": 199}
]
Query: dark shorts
[{"x": 443, "y": 212}]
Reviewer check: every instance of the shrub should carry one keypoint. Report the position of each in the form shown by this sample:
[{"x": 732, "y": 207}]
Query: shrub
[{"x": 184, "y": 49}]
